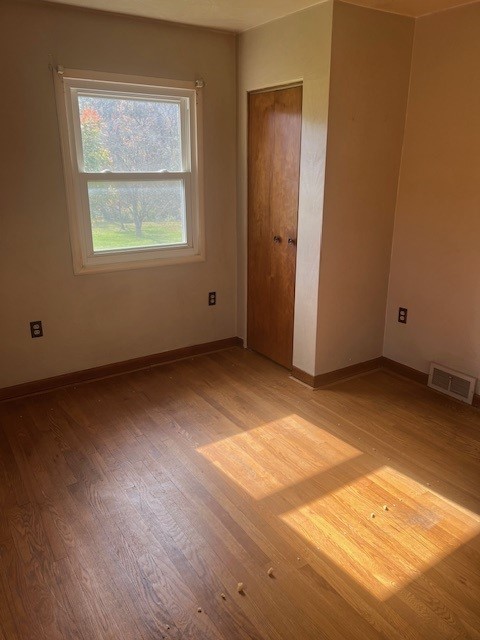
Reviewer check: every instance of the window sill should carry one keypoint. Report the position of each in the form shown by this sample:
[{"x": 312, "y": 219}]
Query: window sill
[{"x": 93, "y": 266}]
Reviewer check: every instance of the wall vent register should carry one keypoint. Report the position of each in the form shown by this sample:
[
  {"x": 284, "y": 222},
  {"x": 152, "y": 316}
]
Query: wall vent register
[{"x": 452, "y": 383}]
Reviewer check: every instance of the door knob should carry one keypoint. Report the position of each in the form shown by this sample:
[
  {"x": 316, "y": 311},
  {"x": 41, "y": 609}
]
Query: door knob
[
  {"x": 277, "y": 239},
  {"x": 292, "y": 241}
]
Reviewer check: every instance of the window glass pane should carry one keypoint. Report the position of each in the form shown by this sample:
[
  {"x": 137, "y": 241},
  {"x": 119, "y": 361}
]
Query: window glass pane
[
  {"x": 119, "y": 134},
  {"x": 129, "y": 215}
]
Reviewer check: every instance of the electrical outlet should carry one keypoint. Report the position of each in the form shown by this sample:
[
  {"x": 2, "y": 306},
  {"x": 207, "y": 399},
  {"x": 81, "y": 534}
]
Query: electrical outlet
[
  {"x": 402, "y": 315},
  {"x": 212, "y": 298},
  {"x": 36, "y": 329}
]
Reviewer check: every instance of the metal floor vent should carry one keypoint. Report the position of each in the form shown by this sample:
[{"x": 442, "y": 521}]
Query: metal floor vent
[{"x": 455, "y": 384}]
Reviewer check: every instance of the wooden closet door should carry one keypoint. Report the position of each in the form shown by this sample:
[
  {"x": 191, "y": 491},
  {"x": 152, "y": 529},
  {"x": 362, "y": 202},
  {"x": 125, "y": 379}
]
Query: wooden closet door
[{"x": 274, "y": 133}]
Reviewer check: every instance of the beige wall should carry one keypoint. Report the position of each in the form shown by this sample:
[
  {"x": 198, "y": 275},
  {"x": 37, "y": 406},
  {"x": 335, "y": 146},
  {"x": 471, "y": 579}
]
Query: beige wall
[
  {"x": 340, "y": 298},
  {"x": 294, "y": 48},
  {"x": 98, "y": 319},
  {"x": 371, "y": 55},
  {"x": 435, "y": 268}
]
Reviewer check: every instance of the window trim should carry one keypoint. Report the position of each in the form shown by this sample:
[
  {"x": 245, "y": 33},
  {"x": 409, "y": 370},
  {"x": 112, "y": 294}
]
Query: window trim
[{"x": 68, "y": 83}]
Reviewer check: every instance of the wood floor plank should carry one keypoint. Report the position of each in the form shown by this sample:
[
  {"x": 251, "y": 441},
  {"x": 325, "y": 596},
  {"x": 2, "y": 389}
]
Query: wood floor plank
[
  {"x": 280, "y": 543},
  {"x": 128, "y": 504}
]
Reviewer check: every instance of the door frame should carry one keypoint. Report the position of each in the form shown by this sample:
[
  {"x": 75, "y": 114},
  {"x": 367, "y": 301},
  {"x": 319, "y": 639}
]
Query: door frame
[
  {"x": 276, "y": 87},
  {"x": 266, "y": 89}
]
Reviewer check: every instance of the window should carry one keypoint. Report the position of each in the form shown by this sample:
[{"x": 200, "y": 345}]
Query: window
[{"x": 131, "y": 158}]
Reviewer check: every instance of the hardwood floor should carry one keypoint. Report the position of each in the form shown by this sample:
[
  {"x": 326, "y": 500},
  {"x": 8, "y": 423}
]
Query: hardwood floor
[{"x": 130, "y": 503}]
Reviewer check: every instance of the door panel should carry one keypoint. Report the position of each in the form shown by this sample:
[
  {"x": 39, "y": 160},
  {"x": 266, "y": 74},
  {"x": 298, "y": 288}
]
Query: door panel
[{"x": 273, "y": 179}]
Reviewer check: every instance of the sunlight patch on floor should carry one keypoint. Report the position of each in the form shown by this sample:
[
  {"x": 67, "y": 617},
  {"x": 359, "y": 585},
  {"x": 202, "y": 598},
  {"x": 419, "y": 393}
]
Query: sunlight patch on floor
[
  {"x": 277, "y": 455},
  {"x": 384, "y": 529}
]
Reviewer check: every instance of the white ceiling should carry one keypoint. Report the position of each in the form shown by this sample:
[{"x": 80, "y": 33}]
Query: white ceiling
[
  {"x": 413, "y": 8},
  {"x": 240, "y": 15},
  {"x": 229, "y": 15}
]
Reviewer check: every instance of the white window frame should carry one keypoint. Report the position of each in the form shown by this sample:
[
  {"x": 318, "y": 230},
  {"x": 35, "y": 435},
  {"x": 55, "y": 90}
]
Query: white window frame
[{"x": 68, "y": 83}]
